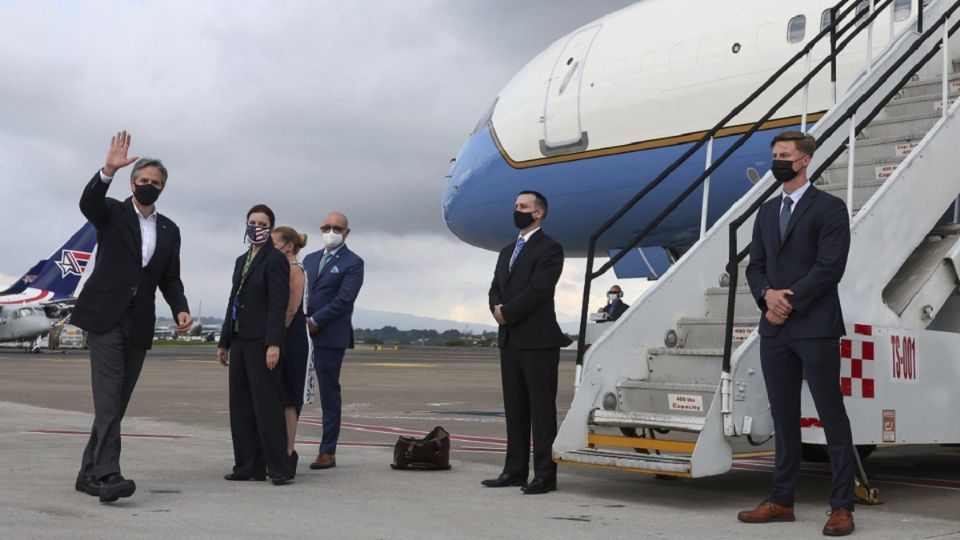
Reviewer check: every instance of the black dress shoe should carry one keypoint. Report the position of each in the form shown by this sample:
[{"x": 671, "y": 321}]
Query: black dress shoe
[
  {"x": 505, "y": 480},
  {"x": 281, "y": 480},
  {"x": 540, "y": 486},
  {"x": 294, "y": 459},
  {"x": 88, "y": 484},
  {"x": 243, "y": 477},
  {"x": 114, "y": 487}
]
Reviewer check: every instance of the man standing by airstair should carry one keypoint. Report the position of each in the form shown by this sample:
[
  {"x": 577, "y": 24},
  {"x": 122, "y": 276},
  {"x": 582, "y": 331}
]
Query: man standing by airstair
[{"x": 797, "y": 257}]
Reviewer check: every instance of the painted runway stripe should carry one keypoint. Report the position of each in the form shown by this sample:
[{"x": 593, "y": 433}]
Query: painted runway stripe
[
  {"x": 407, "y": 432},
  {"x": 153, "y": 436},
  {"x": 364, "y": 444}
]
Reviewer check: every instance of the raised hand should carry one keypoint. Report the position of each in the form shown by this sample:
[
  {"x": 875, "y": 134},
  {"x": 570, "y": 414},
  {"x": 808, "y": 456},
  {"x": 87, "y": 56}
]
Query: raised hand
[{"x": 117, "y": 154}]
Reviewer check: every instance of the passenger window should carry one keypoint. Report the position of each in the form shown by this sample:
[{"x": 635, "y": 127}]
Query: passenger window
[
  {"x": 901, "y": 9},
  {"x": 796, "y": 29},
  {"x": 825, "y": 19}
]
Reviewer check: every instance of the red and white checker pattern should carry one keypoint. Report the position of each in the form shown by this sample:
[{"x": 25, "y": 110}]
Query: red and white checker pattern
[{"x": 857, "y": 364}]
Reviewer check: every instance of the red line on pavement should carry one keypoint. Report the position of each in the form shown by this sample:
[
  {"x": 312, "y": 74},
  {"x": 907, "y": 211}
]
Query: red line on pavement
[
  {"x": 408, "y": 432},
  {"x": 127, "y": 435},
  {"x": 361, "y": 444},
  {"x": 751, "y": 465}
]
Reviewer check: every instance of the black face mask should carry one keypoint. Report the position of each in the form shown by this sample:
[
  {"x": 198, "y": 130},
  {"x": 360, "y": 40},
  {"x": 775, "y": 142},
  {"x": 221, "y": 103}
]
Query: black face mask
[
  {"x": 782, "y": 170},
  {"x": 523, "y": 219},
  {"x": 146, "y": 194}
]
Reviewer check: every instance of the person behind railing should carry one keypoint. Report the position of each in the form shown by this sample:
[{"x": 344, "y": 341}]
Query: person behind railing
[
  {"x": 797, "y": 256},
  {"x": 615, "y": 305}
]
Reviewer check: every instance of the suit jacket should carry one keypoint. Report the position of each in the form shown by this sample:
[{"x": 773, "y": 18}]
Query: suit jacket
[
  {"x": 331, "y": 295},
  {"x": 118, "y": 276},
  {"x": 526, "y": 294},
  {"x": 809, "y": 260},
  {"x": 262, "y": 305},
  {"x": 619, "y": 308}
]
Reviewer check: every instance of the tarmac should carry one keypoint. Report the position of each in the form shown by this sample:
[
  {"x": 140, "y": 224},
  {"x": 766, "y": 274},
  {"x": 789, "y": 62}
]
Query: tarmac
[{"x": 176, "y": 446}]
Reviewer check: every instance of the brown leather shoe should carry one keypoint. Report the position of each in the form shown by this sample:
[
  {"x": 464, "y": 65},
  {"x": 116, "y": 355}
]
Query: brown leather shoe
[
  {"x": 840, "y": 523},
  {"x": 324, "y": 461},
  {"x": 767, "y": 512}
]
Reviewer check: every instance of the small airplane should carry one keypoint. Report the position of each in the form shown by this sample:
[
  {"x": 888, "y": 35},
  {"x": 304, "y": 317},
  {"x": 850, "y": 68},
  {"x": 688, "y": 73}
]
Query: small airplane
[
  {"x": 29, "y": 307},
  {"x": 605, "y": 109}
]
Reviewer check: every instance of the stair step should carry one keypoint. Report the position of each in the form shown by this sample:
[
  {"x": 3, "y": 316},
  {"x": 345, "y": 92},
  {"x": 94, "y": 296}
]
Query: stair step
[
  {"x": 890, "y": 148},
  {"x": 640, "y": 420},
  {"x": 663, "y": 445},
  {"x": 916, "y": 105},
  {"x": 709, "y": 332},
  {"x": 928, "y": 87},
  {"x": 717, "y": 298},
  {"x": 891, "y": 127},
  {"x": 686, "y": 394},
  {"x": 656, "y": 464}
]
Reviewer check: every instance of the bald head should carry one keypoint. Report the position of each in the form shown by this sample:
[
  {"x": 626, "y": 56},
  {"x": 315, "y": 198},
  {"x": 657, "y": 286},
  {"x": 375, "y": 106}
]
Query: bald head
[{"x": 335, "y": 229}]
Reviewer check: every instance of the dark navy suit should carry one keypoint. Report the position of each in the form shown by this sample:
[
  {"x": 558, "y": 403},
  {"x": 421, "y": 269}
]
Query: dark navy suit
[
  {"x": 530, "y": 343},
  {"x": 331, "y": 292},
  {"x": 809, "y": 260}
]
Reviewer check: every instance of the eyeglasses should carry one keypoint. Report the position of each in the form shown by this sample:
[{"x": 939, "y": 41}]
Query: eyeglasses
[
  {"x": 613, "y": 292},
  {"x": 334, "y": 228}
]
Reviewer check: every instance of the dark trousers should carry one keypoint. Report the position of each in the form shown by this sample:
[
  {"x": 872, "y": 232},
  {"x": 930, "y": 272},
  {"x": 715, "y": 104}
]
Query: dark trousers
[
  {"x": 786, "y": 364},
  {"x": 257, "y": 422},
  {"x": 327, "y": 362},
  {"x": 529, "y": 378},
  {"x": 114, "y": 369}
]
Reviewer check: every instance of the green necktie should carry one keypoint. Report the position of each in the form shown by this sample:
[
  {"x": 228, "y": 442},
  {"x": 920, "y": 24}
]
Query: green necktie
[{"x": 323, "y": 262}]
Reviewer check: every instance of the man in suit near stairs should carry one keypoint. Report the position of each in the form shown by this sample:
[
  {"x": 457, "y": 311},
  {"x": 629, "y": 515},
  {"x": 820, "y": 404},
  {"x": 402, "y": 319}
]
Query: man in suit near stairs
[
  {"x": 521, "y": 300},
  {"x": 797, "y": 258}
]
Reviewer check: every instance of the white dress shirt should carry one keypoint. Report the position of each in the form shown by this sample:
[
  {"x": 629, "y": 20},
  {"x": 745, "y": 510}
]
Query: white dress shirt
[
  {"x": 526, "y": 237},
  {"x": 148, "y": 228},
  {"x": 796, "y": 195}
]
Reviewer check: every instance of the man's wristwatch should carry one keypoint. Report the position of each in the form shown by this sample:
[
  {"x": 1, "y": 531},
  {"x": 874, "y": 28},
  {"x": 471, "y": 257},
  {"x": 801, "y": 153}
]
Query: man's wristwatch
[{"x": 763, "y": 293}]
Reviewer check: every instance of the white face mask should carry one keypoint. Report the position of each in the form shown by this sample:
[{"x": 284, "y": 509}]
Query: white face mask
[
  {"x": 332, "y": 239},
  {"x": 612, "y": 297}
]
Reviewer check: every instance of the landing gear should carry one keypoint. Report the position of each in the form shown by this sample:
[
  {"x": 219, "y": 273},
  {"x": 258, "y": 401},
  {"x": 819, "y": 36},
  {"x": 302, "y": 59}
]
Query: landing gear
[{"x": 864, "y": 492}]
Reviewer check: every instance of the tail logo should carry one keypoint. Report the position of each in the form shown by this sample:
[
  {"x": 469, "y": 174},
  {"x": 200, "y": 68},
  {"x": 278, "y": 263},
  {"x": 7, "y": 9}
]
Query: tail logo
[{"x": 73, "y": 262}]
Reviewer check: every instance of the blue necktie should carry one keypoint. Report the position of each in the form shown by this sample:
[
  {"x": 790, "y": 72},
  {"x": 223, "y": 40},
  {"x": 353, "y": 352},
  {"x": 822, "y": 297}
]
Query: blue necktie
[
  {"x": 323, "y": 262},
  {"x": 516, "y": 251},
  {"x": 785, "y": 216}
]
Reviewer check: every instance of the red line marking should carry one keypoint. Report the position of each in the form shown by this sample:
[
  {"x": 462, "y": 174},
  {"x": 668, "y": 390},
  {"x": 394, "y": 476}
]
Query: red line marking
[
  {"x": 362, "y": 444},
  {"x": 127, "y": 435},
  {"x": 408, "y": 432},
  {"x": 41, "y": 296},
  {"x": 863, "y": 329},
  {"x": 767, "y": 464}
]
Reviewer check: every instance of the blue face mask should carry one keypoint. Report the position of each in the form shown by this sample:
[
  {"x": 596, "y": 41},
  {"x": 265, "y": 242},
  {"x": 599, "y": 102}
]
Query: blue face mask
[{"x": 257, "y": 235}]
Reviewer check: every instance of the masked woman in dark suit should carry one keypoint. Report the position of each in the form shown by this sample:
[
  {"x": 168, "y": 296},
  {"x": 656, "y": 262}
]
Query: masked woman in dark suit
[
  {"x": 253, "y": 333},
  {"x": 293, "y": 362}
]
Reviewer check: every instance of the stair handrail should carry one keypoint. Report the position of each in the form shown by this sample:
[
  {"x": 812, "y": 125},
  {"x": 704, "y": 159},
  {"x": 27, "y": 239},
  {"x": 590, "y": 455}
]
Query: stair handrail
[
  {"x": 735, "y": 256},
  {"x": 834, "y": 30}
]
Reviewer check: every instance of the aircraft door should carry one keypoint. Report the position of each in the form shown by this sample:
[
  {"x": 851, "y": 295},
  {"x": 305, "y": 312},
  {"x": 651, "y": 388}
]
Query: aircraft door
[{"x": 562, "y": 133}]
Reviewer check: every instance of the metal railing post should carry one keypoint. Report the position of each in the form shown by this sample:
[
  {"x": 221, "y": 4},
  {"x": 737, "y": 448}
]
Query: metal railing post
[
  {"x": 945, "y": 53},
  {"x": 870, "y": 39},
  {"x": 806, "y": 98},
  {"x": 833, "y": 51},
  {"x": 584, "y": 309},
  {"x": 920, "y": 16},
  {"x": 706, "y": 190},
  {"x": 851, "y": 166}
]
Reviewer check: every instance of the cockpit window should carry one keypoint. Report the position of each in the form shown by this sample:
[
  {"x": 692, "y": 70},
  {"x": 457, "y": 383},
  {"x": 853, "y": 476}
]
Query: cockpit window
[
  {"x": 486, "y": 116},
  {"x": 796, "y": 29}
]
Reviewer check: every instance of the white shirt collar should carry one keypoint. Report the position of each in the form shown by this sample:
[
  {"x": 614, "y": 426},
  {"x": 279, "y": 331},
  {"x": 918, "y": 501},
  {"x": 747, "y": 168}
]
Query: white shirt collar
[
  {"x": 526, "y": 237},
  {"x": 334, "y": 252},
  {"x": 153, "y": 216},
  {"x": 797, "y": 194}
]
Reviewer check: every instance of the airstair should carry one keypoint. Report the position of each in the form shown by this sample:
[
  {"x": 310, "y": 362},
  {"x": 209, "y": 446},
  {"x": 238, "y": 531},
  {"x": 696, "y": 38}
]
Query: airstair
[{"x": 676, "y": 380}]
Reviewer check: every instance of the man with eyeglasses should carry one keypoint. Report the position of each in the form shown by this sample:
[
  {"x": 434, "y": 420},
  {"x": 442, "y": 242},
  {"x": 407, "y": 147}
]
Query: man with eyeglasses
[
  {"x": 615, "y": 305},
  {"x": 334, "y": 278},
  {"x": 138, "y": 251}
]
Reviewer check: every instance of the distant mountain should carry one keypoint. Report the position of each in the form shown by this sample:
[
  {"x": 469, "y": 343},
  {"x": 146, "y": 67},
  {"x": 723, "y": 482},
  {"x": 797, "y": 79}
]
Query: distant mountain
[
  {"x": 371, "y": 318},
  {"x": 374, "y": 319}
]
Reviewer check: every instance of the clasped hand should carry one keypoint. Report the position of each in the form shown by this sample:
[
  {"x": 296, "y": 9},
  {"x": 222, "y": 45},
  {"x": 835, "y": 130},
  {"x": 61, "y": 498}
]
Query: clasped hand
[{"x": 779, "y": 307}]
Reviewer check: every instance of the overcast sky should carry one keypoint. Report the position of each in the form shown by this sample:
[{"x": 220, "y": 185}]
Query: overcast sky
[{"x": 312, "y": 106}]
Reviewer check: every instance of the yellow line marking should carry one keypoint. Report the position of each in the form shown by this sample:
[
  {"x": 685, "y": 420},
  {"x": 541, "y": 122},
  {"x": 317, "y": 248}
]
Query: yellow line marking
[
  {"x": 646, "y": 145},
  {"x": 394, "y": 364},
  {"x": 638, "y": 442},
  {"x": 767, "y": 453},
  {"x": 950, "y": 453}
]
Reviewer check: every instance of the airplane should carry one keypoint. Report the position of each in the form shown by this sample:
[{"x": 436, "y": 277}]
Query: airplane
[
  {"x": 44, "y": 294},
  {"x": 606, "y": 108}
]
